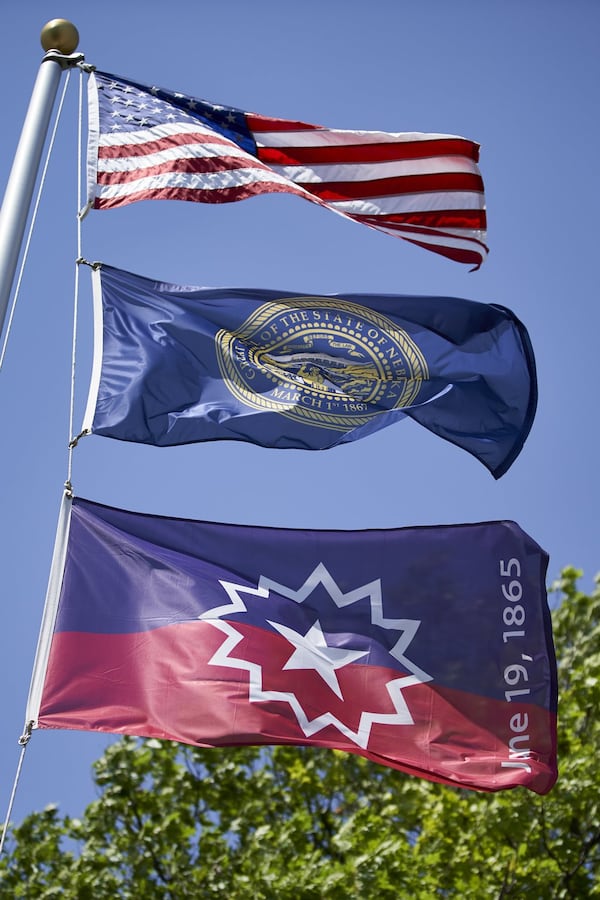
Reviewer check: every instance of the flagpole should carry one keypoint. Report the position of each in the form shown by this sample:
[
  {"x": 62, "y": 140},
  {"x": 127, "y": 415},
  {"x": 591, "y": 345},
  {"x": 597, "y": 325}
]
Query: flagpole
[{"x": 59, "y": 39}]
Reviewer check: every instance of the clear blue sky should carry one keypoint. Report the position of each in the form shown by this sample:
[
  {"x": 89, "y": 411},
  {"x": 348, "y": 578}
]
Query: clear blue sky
[{"x": 519, "y": 77}]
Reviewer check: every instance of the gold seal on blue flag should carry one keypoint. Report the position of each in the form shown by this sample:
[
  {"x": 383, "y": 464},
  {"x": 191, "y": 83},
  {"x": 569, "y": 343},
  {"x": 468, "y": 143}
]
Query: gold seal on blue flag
[{"x": 321, "y": 360}]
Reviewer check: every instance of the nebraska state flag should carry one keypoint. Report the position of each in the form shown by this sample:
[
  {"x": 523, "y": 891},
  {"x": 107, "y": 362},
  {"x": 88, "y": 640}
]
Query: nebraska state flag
[
  {"x": 427, "y": 649},
  {"x": 176, "y": 364}
]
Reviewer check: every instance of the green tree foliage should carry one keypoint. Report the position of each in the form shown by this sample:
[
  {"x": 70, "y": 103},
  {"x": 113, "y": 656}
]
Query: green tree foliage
[{"x": 178, "y": 822}]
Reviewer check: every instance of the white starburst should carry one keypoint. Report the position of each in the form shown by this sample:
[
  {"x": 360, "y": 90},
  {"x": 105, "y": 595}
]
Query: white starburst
[{"x": 319, "y": 576}]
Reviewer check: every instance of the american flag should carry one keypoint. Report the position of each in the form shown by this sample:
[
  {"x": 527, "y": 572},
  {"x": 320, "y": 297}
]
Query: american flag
[{"x": 146, "y": 143}]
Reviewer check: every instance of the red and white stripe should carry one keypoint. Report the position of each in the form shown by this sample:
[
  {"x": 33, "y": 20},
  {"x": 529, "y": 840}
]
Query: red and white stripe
[{"x": 426, "y": 188}]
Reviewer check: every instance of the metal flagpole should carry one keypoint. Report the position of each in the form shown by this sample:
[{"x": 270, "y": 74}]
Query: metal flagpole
[{"x": 59, "y": 39}]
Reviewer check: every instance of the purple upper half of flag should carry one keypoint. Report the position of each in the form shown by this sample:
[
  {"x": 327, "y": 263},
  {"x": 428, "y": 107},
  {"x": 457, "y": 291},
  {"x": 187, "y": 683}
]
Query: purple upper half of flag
[
  {"x": 428, "y": 649},
  {"x": 147, "y": 143}
]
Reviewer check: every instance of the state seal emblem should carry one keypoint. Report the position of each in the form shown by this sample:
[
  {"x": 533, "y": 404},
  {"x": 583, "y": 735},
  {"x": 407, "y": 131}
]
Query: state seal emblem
[{"x": 321, "y": 361}]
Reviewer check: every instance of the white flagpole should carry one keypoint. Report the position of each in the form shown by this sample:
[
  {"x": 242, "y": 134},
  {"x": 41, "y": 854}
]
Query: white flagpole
[
  {"x": 43, "y": 648},
  {"x": 59, "y": 39},
  {"x": 50, "y": 612}
]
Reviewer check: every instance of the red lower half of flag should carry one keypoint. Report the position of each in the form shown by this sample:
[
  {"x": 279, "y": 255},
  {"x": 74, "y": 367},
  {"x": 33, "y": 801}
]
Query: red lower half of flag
[{"x": 214, "y": 683}]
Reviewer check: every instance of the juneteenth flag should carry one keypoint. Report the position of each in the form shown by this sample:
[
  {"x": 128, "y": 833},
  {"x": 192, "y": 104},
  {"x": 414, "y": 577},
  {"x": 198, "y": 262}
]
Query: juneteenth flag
[
  {"x": 176, "y": 364},
  {"x": 427, "y": 649},
  {"x": 146, "y": 143}
]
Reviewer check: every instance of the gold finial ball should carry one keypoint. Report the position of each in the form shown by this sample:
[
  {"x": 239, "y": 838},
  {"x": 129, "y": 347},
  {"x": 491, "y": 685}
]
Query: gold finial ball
[{"x": 61, "y": 35}]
